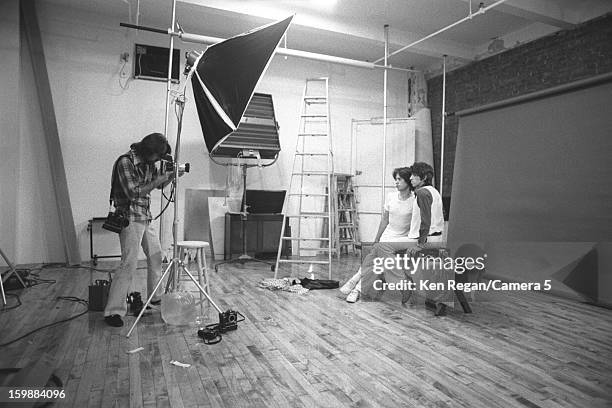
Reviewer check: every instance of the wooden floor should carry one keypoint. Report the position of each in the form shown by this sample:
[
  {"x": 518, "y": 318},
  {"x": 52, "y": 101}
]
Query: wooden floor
[{"x": 316, "y": 350}]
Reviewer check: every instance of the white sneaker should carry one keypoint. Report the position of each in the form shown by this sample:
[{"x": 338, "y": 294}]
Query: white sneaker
[
  {"x": 350, "y": 284},
  {"x": 353, "y": 296}
]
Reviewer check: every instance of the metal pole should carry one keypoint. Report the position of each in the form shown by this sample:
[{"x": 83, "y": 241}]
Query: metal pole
[
  {"x": 175, "y": 263},
  {"x": 208, "y": 40},
  {"x": 169, "y": 79},
  {"x": 481, "y": 10},
  {"x": 384, "y": 149},
  {"x": 180, "y": 101},
  {"x": 167, "y": 117},
  {"x": 202, "y": 39},
  {"x": 442, "y": 131}
]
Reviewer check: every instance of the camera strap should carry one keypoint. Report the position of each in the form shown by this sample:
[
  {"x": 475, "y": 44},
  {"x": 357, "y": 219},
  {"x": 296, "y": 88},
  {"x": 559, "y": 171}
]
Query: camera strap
[{"x": 210, "y": 334}]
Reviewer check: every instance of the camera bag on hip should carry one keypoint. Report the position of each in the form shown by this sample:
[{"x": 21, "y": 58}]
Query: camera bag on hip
[{"x": 116, "y": 220}]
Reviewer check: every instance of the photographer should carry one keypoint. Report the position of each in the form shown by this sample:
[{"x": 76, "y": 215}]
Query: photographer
[{"x": 136, "y": 176}]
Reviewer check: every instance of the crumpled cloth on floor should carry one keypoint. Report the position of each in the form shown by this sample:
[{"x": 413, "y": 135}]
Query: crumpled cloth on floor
[{"x": 282, "y": 284}]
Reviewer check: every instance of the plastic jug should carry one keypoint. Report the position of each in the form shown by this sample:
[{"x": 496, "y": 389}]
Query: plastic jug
[{"x": 178, "y": 308}]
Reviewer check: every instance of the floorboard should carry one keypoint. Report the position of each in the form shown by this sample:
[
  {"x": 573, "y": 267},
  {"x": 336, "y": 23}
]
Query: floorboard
[{"x": 518, "y": 349}]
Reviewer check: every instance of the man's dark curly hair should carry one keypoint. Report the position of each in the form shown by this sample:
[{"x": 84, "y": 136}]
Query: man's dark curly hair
[
  {"x": 151, "y": 144},
  {"x": 424, "y": 171},
  {"x": 404, "y": 173}
]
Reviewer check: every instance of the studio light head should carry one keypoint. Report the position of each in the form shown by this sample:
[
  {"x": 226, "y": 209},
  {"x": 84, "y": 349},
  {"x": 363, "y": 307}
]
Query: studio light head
[{"x": 190, "y": 59}]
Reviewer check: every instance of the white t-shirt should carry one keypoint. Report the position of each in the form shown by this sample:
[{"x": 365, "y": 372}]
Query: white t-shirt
[{"x": 400, "y": 215}]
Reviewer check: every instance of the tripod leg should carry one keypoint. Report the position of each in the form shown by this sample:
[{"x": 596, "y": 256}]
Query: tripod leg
[
  {"x": 169, "y": 285},
  {"x": 11, "y": 271},
  {"x": 194, "y": 280},
  {"x": 144, "y": 307},
  {"x": 199, "y": 256},
  {"x": 2, "y": 290}
]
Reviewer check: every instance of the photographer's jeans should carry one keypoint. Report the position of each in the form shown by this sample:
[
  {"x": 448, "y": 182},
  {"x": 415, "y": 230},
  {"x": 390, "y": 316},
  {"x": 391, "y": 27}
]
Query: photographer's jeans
[{"x": 131, "y": 238}]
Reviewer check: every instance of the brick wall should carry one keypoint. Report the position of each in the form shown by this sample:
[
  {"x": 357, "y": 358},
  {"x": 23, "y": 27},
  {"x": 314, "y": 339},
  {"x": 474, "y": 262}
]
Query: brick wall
[{"x": 562, "y": 57}]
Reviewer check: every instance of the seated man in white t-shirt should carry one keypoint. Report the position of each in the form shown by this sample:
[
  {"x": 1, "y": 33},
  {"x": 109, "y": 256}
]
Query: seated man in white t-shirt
[
  {"x": 426, "y": 225},
  {"x": 394, "y": 224}
]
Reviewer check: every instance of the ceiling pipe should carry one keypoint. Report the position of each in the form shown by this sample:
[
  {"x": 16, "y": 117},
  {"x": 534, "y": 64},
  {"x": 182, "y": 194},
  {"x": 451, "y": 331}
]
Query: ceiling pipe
[
  {"x": 481, "y": 10},
  {"x": 204, "y": 39},
  {"x": 208, "y": 40}
]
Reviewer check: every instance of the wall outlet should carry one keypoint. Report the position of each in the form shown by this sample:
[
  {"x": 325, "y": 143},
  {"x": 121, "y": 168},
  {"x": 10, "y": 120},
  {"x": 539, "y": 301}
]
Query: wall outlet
[{"x": 125, "y": 56}]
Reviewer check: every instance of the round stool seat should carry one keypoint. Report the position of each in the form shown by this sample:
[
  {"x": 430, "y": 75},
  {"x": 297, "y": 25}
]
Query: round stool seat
[{"x": 193, "y": 244}]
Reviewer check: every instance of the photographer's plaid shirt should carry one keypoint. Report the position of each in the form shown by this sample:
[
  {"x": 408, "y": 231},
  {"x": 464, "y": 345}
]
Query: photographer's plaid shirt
[{"x": 132, "y": 173}]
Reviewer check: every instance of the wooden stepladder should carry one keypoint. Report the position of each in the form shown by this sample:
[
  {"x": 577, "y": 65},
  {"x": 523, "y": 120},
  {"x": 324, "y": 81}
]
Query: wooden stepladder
[
  {"x": 346, "y": 222},
  {"x": 308, "y": 204}
]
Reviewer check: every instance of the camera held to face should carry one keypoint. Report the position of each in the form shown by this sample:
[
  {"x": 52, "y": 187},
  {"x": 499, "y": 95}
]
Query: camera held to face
[{"x": 167, "y": 165}]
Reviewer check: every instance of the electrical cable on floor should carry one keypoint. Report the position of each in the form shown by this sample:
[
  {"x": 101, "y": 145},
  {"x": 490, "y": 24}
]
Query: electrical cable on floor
[
  {"x": 66, "y": 266},
  {"x": 68, "y": 298},
  {"x": 35, "y": 281},
  {"x": 31, "y": 277},
  {"x": 6, "y": 309}
]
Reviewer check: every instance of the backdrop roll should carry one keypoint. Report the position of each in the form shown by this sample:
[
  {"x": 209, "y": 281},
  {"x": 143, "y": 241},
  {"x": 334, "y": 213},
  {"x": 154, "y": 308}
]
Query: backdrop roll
[{"x": 423, "y": 138}]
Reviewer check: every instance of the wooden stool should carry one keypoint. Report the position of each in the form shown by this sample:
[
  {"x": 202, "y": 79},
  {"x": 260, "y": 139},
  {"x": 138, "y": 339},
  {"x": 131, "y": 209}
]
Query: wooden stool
[{"x": 184, "y": 248}]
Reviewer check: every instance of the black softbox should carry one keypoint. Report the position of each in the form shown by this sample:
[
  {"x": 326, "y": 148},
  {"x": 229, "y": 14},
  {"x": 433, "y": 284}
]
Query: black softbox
[{"x": 225, "y": 77}]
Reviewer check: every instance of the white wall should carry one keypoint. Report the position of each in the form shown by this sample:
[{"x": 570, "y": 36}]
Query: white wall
[
  {"x": 98, "y": 120},
  {"x": 39, "y": 236},
  {"x": 9, "y": 125}
]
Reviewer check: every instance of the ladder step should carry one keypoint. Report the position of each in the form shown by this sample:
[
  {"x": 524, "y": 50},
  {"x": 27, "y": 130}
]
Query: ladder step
[
  {"x": 313, "y": 215},
  {"x": 315, "y": 99},
  {"x": 312, "y": 173},
  {"x": 304, "y": 239},
  {"x": 309, "y": 194},
  {"x": 346, "y": 209},
  {"x": 346, "y": 225},
  {"x": 311, "y": 154},
  {"x": 313, "y": 134},
  {"x": 302, "y": 261}
]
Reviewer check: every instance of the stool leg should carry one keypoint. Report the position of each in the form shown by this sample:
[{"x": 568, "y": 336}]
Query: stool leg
[
  {"x": 200, "y": 256},
  {"x": 206, "y": 280}
]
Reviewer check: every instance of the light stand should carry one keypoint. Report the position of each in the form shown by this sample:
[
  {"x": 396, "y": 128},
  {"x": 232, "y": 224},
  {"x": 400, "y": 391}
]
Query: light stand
[
  {"x": 11, "y": 271},
  {"x": 221, "y": 105},
  {"x": 176, "y": 264},
  {"x": 243, "y": 229}
]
